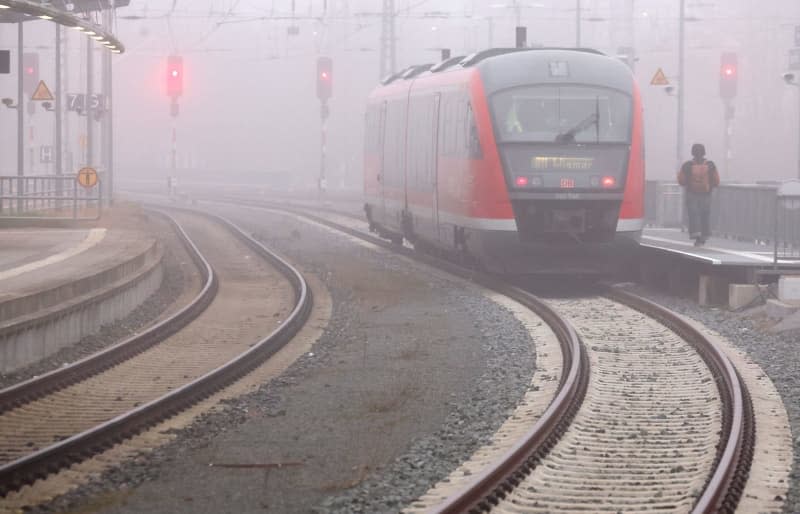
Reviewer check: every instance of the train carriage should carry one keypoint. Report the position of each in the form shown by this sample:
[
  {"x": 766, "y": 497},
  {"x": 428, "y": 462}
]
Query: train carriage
[{"x": 527, "y": 160}]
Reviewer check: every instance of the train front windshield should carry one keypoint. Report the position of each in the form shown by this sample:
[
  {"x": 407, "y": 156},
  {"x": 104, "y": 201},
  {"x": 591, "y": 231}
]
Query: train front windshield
[{"x": 562, "y": 114}]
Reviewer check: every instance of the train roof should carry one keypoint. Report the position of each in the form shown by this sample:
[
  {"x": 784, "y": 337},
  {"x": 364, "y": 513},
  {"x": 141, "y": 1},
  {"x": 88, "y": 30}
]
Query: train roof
[
  {"x": 504, "y": 68},
  {"x": 556, "y": 66}
]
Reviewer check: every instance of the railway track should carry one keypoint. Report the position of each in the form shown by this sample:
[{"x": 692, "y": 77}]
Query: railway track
[
  {"x": 533, "y": 476},
  {"x": 51, "y": 422}
]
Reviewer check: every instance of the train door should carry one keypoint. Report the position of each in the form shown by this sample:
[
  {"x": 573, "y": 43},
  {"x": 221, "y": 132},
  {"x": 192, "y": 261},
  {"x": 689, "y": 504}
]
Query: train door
[
  {"x": 434, "y": 164},
  {"x": 382, "y": 158}
]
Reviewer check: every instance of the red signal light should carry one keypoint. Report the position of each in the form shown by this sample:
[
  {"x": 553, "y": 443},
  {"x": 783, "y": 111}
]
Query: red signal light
[
  {"x": 728, "y": 75},
  {"x": 174, "y": 76},
  {"x": 324, "y": 78},
  {"x": 30, "y": 72}
]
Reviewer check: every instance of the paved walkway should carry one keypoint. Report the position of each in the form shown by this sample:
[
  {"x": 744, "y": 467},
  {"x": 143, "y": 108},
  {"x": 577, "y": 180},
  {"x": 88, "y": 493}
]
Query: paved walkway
[{"x": 717, "y": 251}]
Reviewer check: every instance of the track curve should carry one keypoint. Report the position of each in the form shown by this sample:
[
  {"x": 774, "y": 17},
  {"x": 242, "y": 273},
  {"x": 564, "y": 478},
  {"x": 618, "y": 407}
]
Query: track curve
[
  {"x": 77, "y": 447},
  {"x": 734, "y": 454}
]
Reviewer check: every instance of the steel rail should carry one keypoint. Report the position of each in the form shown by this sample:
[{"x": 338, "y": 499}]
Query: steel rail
[
  {"x": 734, "y": 457},
  {"x": 78, "y": 447},
  {"x": 497, "y": 480},
  {"x": 29, "y": 390}
]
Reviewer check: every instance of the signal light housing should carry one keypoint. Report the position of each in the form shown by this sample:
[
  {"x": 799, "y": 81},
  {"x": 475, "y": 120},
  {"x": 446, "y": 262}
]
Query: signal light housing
[
  {"x": 324, "y": 78},
  {"x": 728, "y": 75},
  {"x": 30, "y": 72},
  {"x": 174, "y": 76}
]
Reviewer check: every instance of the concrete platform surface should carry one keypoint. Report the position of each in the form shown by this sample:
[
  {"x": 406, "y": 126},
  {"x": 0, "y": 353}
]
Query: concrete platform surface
[
  {"x": 717, "y": 251},
  {"x": 58, "y": 286},
  {"x": 22, "y": 251},
  {"x": 36, "y": 260}
]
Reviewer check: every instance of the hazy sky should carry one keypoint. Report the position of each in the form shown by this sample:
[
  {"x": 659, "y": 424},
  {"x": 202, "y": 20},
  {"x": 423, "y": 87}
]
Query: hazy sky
[{"x": 250, "y": 103}]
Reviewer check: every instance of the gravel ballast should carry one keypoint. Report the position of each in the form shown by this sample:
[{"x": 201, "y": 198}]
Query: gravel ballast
[
  {"x": 414, "y": 372},
  {"x": 778, "y": 354}
]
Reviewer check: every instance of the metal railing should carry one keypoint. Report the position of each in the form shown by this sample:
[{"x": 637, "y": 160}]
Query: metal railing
[
  {"x": 48, "y": 197},
  {"x": 745, "y": 212}
]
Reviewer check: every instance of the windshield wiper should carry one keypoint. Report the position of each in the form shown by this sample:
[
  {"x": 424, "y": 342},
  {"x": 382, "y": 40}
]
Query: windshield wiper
[{"x": 569, "y": 135}]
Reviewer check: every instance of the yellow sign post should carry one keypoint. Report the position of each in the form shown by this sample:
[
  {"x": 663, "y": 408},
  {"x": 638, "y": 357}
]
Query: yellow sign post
[{"x": 87, "y": 177}]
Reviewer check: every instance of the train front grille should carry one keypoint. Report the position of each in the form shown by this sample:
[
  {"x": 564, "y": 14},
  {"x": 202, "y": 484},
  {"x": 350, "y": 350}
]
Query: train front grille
[{"x": 584, "y": 221}]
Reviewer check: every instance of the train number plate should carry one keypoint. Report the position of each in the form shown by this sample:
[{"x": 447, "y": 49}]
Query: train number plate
[{"x": 567, "y": 183}]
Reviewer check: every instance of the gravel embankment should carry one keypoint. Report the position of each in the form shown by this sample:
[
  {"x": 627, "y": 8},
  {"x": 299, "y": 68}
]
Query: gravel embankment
[
  {"x": 413, "y": 373},
  {"x": 778, "y": 354},
  {"x": 177, "y": 266}
]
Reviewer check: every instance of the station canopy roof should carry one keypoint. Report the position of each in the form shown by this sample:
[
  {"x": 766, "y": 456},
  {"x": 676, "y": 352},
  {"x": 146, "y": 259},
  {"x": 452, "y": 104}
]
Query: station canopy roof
[{"x": 77, "y": 7}]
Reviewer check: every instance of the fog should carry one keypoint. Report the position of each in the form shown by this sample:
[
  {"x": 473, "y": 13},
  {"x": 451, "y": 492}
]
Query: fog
[{"x": 249, "y": 102}]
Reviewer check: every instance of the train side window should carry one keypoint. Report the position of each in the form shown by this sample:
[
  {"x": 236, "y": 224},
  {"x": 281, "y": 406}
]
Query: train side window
[
  {"x": 370, "y": 130},
  {"x": 460, "y": 140},
  {"x": 474, "y": 150},
  {"x": 445, "y": 131}
]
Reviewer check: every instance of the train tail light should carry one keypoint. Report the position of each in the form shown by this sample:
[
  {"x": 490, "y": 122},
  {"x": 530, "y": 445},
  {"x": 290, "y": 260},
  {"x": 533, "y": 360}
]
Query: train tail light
[
  {"x": 608, "y": 182},
  {"x": 521, "y": 181}
]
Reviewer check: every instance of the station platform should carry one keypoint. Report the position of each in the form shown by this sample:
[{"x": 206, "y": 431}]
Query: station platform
[
  {"x": 716, "y": 252},
  {"x": 59, "y": 285}
]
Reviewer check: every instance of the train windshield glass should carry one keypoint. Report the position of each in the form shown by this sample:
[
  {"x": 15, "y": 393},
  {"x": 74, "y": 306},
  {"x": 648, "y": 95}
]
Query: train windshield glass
[{"x": 562, "y": 114}]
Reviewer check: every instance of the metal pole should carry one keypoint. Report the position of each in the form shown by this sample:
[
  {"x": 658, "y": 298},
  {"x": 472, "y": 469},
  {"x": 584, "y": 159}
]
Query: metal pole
[
  {"x": 577, "y": 23},
  {"x": 798, "y": 132},
  {"x": 321, "y": 184},
  {"x": 726, "y": 139},
  {"x": 107, "y": 126},
  {"x": 110, "y": 122},
  {"x": 174, "y": 155},
  {"x": 20, "y": 119},
  {"x": 89, "y": 102},
  {"x": 632, "y": 26},
  {"x": 67, "y": 148},
  {"x": 681, "y": 45},
  {"x": 58, "y": 105}
]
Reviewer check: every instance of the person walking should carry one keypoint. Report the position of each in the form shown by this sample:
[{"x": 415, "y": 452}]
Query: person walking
[{"x": 699, "y": 177}]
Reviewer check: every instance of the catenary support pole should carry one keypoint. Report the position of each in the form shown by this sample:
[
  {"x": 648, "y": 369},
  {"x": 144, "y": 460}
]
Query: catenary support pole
[
  {"x": 108, "y": 153},
  {"x": 58, "y": 105},
  {"x": 20, "y": 119},
  {"x": 577, "y": 23},
  {"x": 89, "y": 103},
  {"x": 681, "y": 49}
]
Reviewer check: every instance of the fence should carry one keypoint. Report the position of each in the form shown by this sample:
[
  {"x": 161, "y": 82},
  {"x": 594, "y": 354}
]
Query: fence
[
  {"x": 48, "y": 197},
  {"x": 746, "y": 212}
]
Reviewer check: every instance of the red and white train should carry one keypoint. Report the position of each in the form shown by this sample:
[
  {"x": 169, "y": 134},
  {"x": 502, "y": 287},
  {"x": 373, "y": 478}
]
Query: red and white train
[{"x": 527, "y": 160}]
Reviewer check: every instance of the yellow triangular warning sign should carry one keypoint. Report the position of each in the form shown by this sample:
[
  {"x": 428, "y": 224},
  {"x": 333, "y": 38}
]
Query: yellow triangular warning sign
[
  {"x": 659, "y": 79},
  {"x": 42, "y": 92}
]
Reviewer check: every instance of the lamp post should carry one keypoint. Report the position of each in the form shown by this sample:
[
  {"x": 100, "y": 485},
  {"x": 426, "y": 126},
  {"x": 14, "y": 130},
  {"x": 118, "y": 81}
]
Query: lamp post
[{"x": 791, "y": 80}]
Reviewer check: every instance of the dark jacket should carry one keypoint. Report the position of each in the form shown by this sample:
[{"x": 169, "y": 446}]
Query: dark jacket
[{"x": 698, "y": 176}]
